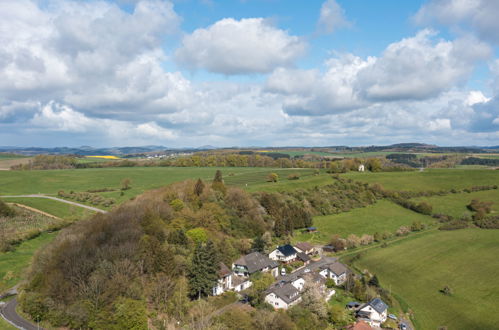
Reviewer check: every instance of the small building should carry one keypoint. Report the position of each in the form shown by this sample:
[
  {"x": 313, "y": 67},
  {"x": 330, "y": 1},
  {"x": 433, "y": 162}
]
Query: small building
[
  {"x": 240, "y": 283},
  {"x": 305, "y": 247},
  {"x": 284, "y": 253},
  {"x": 255, "y": 262},
  {"x": 353, "y": 305},
  {"x": 311, "y": 229},
  {"x": 335, "y": 271},
  {"x": 283, "y": 296},
  {"x": 224, "y": 282},
  {"x": 362, "y": 168},
  {"x": 374, "y": 312},
  {"x": 328, "y": 248},
  {"x": 303, "y": 257}
]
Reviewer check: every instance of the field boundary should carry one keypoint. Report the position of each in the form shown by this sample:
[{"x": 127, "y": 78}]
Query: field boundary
[{"x": 29, "y": 208}]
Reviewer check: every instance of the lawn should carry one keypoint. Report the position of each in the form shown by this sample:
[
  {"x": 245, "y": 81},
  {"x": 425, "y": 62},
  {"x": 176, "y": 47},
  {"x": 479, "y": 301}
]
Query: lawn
[
  {"x": 416, "y": 269},
  {"x": 430, "y": 179},
  {"x": 455, "y": 204},
  {"x": 13, "y": 264},
  {"x": 59, "y": 209},
  {"x": 379, "y": 217},
  {"x": 257, "y": 181}
]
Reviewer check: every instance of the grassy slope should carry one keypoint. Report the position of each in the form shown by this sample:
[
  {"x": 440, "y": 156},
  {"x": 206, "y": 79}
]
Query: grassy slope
[
  {"x": 455, "y": 204},
  {"x": 416, "y": 269},
  {"x": 430, "y": 179},
  {"x": 59, "y": 209},
  {"x": 380, "y": 217},
  {"x": 19, "y": 259}
]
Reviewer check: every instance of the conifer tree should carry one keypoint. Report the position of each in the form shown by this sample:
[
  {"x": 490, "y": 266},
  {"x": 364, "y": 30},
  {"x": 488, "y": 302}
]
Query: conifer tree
[
  {"x": 203, "y": 272},
  {"x": 218, "y": 183}
]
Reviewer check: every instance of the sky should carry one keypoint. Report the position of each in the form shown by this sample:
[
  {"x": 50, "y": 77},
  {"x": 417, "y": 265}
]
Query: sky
[{"x": 188, "y": 73}]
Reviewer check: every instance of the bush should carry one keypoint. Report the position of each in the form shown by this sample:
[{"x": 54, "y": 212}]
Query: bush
[
  {"x": 293, "y": 176},
  {"x": 5, "y": 210},
  {"x": 402, "y": 231}
]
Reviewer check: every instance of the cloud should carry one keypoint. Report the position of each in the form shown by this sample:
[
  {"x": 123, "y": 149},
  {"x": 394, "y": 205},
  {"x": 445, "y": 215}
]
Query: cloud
[
  {"x": 232, "y": 47},
  {"x": 92, "y": 56},
  {"x": 415, "y": 68},
  {"x": 332, "y": 17},
  {"x": 420, "y": 67},
  {"x": 478, "y": 15}
]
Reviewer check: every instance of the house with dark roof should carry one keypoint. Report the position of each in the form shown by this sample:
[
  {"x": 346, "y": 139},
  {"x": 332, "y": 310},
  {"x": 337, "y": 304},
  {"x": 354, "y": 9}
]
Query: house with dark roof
[
  {"x": 283, "y": 296},
  {"x": 374, "y": 312},
  {"x": 305, "y": 247},
  {"x": 224, "y": 282},
  {"x": 284, "y": 253},
  {"x": 336, "y": 271},
  {"x": 303, "y": 257},
  {"x": 254, "y": 262}
]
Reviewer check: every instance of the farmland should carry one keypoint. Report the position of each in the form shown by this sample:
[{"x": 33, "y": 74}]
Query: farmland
[
  {"x": 455, "y": 204},
  {"x": 429, "y": 180},
  {"x": 379, "y": 217},
  {"x": 417, "y": 268}
]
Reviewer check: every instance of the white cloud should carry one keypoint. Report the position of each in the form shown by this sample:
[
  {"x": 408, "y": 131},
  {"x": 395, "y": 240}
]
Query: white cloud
[
  {"x": 415, "y": 68},
  {"x": 332, "y": 17},
  {"x": 419, "y": 67},
  {"x": 479, "y": 15},
  {"x": 230, "y": 47}
]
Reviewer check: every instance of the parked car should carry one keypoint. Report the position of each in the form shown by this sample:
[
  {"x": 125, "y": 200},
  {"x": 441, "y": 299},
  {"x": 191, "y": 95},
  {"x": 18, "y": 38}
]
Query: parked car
[
  {"x": 402, "y": 326},
  {"x": 283, "y": 271},
  {"x": 393, "y": 317}
]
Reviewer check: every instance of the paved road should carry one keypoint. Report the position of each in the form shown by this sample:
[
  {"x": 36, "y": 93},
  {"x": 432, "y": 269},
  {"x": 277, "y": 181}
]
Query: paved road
[
  {"x": 57, "y": 199},
  {"x": 9, "y": 313}
]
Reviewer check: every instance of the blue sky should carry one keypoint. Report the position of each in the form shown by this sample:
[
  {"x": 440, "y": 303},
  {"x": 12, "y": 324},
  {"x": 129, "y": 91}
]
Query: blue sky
[{"x": 248, "y": 72}]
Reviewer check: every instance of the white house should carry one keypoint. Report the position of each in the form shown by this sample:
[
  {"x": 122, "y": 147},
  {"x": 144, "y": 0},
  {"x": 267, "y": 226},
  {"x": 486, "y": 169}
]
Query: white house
[
  {"x": 283, "y": 296},
  {"x": 241, "y": 283},
  {"x": 254, "y": 262},
  {"x": 284, "y": 253},
  {"x": 336, "y": 271},
  {"x": 374, "y": 312},
  {"x": 224, "y": 282}
]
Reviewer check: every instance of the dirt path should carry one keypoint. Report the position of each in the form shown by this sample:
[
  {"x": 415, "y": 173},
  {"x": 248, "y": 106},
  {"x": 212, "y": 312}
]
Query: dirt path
[
  {"x": 35, "y": 210},
  {"x": 56, "y": 199}
]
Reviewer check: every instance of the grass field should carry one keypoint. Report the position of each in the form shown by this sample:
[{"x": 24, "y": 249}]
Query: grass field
[
  {"x": 416, "y": 269},
  {"x": 59, "y": 209},
  {"x": 430, "y": 179},
  {"x": 142, "y": 179},
  {"x": 13, "y": 264},
  {"x": 455, "y": 204},
  {"x": 8, "y": 156},
  {"x": 379, "y": 217}
]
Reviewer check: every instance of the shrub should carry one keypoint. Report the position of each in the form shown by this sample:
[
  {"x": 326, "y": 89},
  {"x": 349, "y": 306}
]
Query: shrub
[
  {"x": 293, "y": 176},
  {"x": 402, "y": 231},
  {"x": 5, "y": 210}
]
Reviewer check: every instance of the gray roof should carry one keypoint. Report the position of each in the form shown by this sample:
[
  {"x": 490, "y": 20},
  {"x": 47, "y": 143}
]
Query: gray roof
[
  {"x": 304, "y": 246},
  {"x": 256, "y": 261},
  {"x": 312, "y": 267},
  {"x": 338, "y": 268},
  {"x": 287, "y": 292},
  {"x": 377, "y": 304},
  {"x": 303, "y": 256}
]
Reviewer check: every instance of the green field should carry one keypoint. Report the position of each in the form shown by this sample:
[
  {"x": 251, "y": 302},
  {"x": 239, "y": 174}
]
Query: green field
[
  {"x": 59, "y": 209},
  {"x": 7, "y": 156},
  {"x": 379, "y": 217},
  {"x": 417, "y": 268},
  {"x": 430, "y": 179},
  {"x": 13, "y": 264},
  {"x": 455, "y": 204}
]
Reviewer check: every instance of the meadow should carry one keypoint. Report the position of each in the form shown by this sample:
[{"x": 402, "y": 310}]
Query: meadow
[
  {"x": 428, "y": 180},
  {"x": 13, "y": 264},
  {"x": 380, "y": 217},
  {"x": 455, "y": 204},
  {"x": 417, "y": 268}
]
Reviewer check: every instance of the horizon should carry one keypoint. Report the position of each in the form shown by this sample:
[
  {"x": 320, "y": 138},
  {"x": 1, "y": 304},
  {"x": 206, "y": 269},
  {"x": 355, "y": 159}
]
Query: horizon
[{"x": 248, "y": 73}]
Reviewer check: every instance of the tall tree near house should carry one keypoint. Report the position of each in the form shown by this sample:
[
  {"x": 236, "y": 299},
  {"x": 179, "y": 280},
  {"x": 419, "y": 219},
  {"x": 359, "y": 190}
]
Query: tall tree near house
[
  {"x": 313, "y": 299},
  {"x": 203, "y": 270},
  {"x": 199, "y": 187},
  {"x": 279, "y": 227},
  {"x": 218, "y": 183}
]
